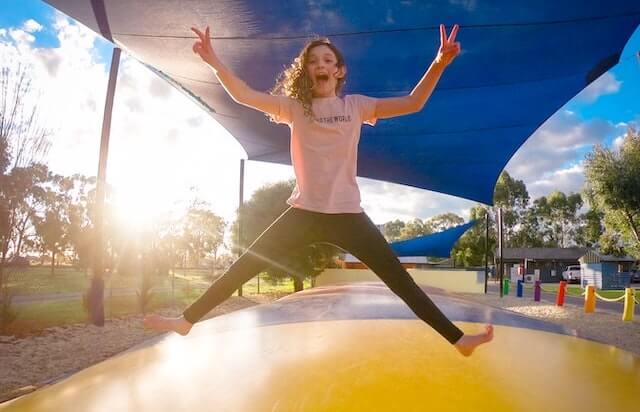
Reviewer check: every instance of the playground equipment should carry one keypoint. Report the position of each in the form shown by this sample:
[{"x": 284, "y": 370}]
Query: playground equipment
[
  {"x": 350, "y": 348},
  {"x": 590, "y": 297},
  {"x": 354, "y": 348}
]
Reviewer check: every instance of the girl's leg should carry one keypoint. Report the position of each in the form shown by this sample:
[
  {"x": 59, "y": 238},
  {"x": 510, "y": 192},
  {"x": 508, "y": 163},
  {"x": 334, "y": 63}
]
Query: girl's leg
[
  {"x": 357, "y": 234},
  {"x": 293, "y": 229}
]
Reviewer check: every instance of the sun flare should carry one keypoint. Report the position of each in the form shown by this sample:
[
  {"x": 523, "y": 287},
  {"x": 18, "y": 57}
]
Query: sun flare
[{"x": 138, "y": 206}]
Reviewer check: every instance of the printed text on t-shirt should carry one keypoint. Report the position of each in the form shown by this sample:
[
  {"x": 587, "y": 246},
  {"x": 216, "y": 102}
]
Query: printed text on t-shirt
[{"x": 333, "y": 119}]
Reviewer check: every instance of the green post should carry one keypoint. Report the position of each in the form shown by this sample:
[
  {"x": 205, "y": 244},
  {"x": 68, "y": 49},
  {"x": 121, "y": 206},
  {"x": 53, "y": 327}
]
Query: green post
[{"x": 505, "y": 287}]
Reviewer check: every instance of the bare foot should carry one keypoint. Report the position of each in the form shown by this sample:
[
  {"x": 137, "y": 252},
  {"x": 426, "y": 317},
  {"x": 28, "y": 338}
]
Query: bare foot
[
  {"x": 163, "y": 324},
  {"x": 468, "y": 343}
]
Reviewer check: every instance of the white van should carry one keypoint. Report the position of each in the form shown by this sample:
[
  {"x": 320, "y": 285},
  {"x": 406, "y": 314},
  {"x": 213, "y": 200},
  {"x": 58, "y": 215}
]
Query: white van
[{"x": 572, "y": 273}]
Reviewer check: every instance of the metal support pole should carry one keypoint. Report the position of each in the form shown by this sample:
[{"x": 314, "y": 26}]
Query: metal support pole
[
  {"x": 486, "y": 251},
  {"x": 500, "y": 242},
  {"x": 95, "y": 295},
  {"x": 241, "y": 201}
]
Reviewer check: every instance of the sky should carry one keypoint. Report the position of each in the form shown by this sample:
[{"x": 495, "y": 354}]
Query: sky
[{"x": 165, "y": 151}]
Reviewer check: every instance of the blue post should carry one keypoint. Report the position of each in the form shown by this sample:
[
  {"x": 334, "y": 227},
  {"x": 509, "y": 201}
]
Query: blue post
[
  {"x": 537, "y": 291},
  {"x": 520, "y": 287}
]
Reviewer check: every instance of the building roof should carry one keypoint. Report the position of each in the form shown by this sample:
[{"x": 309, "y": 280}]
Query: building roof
[
  {"x": 595, "y": 257},
  {"x": 544, "y": 253},
  {"x": 349, "y": 258}
]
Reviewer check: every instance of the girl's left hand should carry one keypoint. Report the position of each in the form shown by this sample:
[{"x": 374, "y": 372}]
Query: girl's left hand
[{"x": 449, "y": 48}]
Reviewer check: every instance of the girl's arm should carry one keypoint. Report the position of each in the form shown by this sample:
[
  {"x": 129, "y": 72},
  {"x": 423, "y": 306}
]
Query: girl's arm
[
  {"x": 398, "y": 106},
  {"x": 239, "y": 91}
]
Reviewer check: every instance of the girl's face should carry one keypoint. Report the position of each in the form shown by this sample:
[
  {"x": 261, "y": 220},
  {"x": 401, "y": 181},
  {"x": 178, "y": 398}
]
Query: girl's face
[{"x": 322, "y": 68}]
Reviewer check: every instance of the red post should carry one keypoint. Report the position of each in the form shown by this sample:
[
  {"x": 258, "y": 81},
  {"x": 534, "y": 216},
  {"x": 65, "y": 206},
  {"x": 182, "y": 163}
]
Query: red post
[{"x": 561, "y": 293}]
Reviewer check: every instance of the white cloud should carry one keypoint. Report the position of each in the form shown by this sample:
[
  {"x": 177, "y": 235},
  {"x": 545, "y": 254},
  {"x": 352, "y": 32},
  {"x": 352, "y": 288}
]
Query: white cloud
[
  {"x": 556, "y": 146},
  {"x": 159, "y": 88},
  {"x": 617, "y": 143},
  {"x": 159, "y": 147},
  {"x": 569, "y": 180},
  {"x": 31, "y": 26},
  {"x": 21, "y": 37},
  {"x": 605, "y": 84},
  {"x": 385, "y": 201}
]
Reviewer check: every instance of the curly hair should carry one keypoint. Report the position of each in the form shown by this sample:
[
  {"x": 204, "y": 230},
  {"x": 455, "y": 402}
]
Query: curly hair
[{"x": 295, "y": 82}]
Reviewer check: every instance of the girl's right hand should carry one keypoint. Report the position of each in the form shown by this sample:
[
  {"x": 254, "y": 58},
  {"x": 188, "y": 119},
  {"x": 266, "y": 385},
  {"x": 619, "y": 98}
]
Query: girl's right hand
[{"x": 202, "y": 46}]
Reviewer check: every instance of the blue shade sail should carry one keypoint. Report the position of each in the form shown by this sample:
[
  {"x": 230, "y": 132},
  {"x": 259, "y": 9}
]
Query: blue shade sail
[
  {"x": 435, "y": 245},
  {"x": 520, "y": 62}
]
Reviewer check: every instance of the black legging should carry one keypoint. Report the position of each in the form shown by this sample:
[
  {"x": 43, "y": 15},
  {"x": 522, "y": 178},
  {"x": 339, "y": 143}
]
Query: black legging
[{"x": 353, "y": 232}]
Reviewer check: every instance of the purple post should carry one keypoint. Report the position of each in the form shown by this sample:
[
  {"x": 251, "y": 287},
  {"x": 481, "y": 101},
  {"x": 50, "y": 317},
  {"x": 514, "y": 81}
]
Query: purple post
[{"x": 536, "y": 291}]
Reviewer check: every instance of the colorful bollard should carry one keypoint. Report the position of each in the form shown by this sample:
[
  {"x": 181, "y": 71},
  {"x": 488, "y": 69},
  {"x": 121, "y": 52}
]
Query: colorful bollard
[
  {"x": 629, "y": 304},
  {"x": 537, "y": 291},
  {"x": 505, "y": 287},
  {"x": 561, "y": 292},
  {"x": 590, "y": 299},
  {"x": 519, "y": 290}
]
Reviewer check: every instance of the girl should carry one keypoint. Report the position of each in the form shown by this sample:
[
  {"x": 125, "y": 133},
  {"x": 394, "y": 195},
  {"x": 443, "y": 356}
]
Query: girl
[{"x": 325, "y": 204}]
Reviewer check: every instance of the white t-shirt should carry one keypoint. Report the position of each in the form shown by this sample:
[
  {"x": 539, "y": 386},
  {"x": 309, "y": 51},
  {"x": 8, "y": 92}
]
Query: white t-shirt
[{"x": 324, "y": 151}]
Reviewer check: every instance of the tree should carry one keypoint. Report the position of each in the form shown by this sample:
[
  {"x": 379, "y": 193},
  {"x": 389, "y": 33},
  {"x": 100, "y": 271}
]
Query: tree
[
  {"x": 563, "y": 212},
  {"x": 256, "y": 214},
  {"x": 23, "y": 137},
  {"x": 513, "y": 198},
  {"x": 203, "y": 231},
  {"x": 470, "y": 249},
  {"x": 392, "y": 230},
  {"x": 19, "y": 196},
  {"x": 23, "y": 144},
  {"x": 443, "y": 221},
  {"x": 613, "y": 186},
  {"x": 414, "y": 228},
  {"x": 589, "y": 232},
  {"x": 80, "y": 224},
  {"x": 611, "y": 244},
  {"x": 52, "y": 225}
]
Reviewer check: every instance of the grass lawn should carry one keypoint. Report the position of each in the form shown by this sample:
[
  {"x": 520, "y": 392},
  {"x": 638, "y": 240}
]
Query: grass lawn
[
  {"x": 187, "y": 287},
  {"x": 36, "y": 316},
  {"x": 38, "y": 280},
  {"x": 286, "y": 286}
]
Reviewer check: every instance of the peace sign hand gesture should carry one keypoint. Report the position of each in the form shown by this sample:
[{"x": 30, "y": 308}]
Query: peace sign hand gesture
[
  {"x": 202, "y": 46},
  {"x": 449, "y": 48}
]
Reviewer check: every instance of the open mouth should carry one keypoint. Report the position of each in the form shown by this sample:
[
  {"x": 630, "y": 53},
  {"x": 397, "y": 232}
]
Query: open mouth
[{"x": 322, "y": 77}]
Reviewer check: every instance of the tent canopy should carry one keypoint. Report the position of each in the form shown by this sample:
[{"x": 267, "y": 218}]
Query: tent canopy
[
  {"x": 520, "y": 62},
  {"x": 434, "y": 245}
]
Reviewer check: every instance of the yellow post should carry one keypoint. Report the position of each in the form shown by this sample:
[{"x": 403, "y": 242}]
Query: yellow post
[
  {"x": 590, "y": 299},
  {"x": 629, "y": 304}
]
